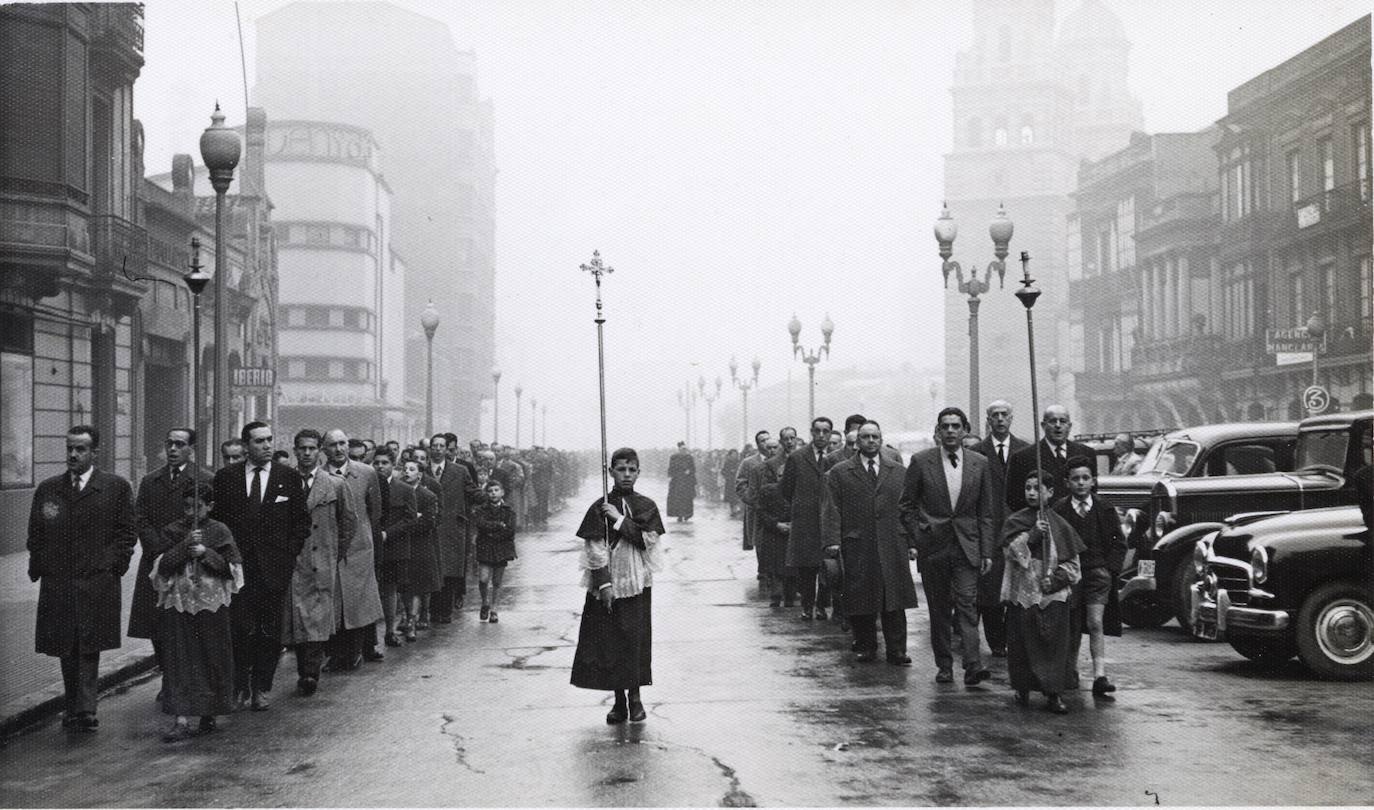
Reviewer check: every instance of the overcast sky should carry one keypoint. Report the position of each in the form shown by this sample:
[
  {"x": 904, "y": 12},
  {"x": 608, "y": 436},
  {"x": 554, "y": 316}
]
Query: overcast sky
[{"x": 734, "y": 160}]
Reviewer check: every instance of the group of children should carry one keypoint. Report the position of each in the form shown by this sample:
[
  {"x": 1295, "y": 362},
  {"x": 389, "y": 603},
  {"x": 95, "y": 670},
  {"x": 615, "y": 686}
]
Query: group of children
[{"x": 201, "y": 570}]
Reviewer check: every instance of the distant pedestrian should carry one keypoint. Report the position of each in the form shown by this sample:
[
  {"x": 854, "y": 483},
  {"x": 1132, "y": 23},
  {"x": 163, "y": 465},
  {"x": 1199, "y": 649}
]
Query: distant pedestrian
[
  {"x": 619, "y": 557},
  {"x": 803, "y": 487},
  {"x": 1042, "y": 566},
  {"x": 496, "y": 524},
  {"x": 231, "y": 451},
  {"x": 81, "y": 537},
  {"x": 196, "y": 578},
  {"x": 682, "y": 484},
  {"x": 1127, "y": 459}
]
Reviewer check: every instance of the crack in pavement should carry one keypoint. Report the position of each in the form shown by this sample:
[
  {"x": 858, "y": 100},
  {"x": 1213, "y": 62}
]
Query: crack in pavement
[
  {"x": 522, "y": 661},
  {"x": 458, "y": 748},
  {"x": 735, "y": 796}
]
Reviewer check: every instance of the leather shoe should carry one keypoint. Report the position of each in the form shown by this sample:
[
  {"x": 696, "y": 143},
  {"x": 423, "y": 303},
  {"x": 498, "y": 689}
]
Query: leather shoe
[
  {"x": 208, "y": 723},
  {"x": 84, "y": 721},
  {"x": 637, "y": 713},
  {"x": 392, "y": 640},
  {"x": 1102, "y": 686},
  {"x": 261, "y": 701},
  {"x": 616, "y": 715},
  {"x": 374, "y": 656},
  {"x": 306, "y": 686},
  {"x": 973, "y": 677},
  {"x": 899, "y": 660},
  {"x": 866, "y": 656},
  {"x": 944, "y": 676},
  {"x": 1022, "y": 697},
  {"x": 177, "y": 733},
  {"x": 820, "y": 614},
  {"x": 1056, "y": 705},
  {"x": 805, "y": 614}
]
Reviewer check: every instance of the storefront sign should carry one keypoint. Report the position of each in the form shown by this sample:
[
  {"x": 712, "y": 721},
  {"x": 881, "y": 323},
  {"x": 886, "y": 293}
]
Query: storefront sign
[{"x": 253, "y": 379}]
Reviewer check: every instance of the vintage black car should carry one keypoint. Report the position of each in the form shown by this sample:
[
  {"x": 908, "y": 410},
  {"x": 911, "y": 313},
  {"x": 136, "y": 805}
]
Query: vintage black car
[
  {"x": 1296, "y": 584},
  {"x": 1148, "y": 598}
]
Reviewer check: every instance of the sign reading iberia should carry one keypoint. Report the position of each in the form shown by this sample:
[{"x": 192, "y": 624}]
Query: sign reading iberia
[{"x": 251, "y": 377}]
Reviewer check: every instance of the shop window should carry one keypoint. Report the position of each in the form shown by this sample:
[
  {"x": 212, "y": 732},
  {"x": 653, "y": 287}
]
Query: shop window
[{"x": 16, "y": 400}]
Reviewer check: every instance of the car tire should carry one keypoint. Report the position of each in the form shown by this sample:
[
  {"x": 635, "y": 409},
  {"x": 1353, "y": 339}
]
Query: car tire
[
  {"x": 1336, "y": 632},
  {"x": 1145, "y": 611},
  {"x": 1181, "y": 590},
  {"x": 1265, "y": 652}
]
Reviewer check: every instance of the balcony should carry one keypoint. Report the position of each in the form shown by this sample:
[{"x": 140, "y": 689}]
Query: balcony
[
  {"x": 120, "y": 247},
  {"x": 1241, "y": 237},
  {"x": 117, "y": 39},
  {"x": 1200, "y": 355},
  {"x": 1192, "y": 216},
  {"x": 1100, "y": 386}
]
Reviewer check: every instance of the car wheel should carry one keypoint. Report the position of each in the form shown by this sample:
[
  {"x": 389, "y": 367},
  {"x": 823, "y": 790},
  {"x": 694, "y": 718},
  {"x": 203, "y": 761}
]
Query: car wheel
[
  {"x": 1144, "y": 610},
  {"x": 1336, "y": 632},
  {"x": 1181, "y": 587},
  {"x": 1268, "y": 652}
]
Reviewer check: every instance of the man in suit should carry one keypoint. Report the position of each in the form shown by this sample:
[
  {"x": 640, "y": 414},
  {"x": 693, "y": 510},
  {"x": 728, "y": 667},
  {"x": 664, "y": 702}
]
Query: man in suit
[
  {"x": 1055, "y": 450},
  {"x": 81, "y": 537},
  {"x": 263, "y": 504},
  {"x": 862, "y": 517},
  {"x": 852, "y": 423},
  {"x": 947, "y": 506},
  {"x": 357, "y": 586},
  {"x": 803, "y": 487},
  {"x": 159, "y": 502},
  {"x": 997, "y": 448},
  {"x": 456, "y": 491},
  {"x": 748, "y": 498}
]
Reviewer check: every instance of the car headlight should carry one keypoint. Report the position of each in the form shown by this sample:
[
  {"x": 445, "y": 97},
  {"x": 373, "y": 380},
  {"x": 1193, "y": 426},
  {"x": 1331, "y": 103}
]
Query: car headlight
[
  {"x": 1259, "y": 565},
  {"x": 1129, "y": 518},
  {"x": 1202, "y": 552},
  {"x": 1164, "y": 523}
]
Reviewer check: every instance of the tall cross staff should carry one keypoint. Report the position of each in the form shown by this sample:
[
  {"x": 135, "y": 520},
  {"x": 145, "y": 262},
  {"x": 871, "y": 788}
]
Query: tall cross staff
[
  {"x": 1027, "y": 294},
  {"x": 597, "y": 269}
]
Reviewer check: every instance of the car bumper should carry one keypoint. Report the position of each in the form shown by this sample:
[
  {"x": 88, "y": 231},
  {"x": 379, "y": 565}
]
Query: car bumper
[
  {"x": 1213, "y": 617},
  {"x": 1137, "y": 585}
]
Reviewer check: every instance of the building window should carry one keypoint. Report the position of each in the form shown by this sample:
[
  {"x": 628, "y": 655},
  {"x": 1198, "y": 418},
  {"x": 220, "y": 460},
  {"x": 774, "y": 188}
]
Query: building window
[
  {"x": 1294, "y": 177},
  {"x": 336, "y": 317},
  {"x": 1326, "y": 152},
  {"x": 1360, "y": 137},
  {"x": 1027, "y": 135},
  {"x": 295, "y": 316},
  {"x": 1297, "y": 300},
  {"x": 1104, "y": 250},
  {"x": 295, "y": 369},
  {"x": 16, "y": 400},
  {"x": 999, "y": 137},
  {"x": 336, "y": 370},
  {"x": 1366, "y": 292}
]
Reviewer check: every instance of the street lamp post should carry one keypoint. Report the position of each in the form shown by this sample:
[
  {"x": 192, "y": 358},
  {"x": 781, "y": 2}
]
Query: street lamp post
[
  {"x": 710, "y": 400},
  {"x": 196, "y": 280},
  {"x": 687, "y": 400},
  {"x": 810, "y": 358},
  {"x": 946, "y": 229},
  {"x": 534, "y": 421},
  {"x": 518, "y": 391},
  {"x": 496, "y": 406},
  {"x": 429, "y": 319},
  {"x": 544, "y": 420},
  {"x": 220, "y": 149},
  {"x": 744, "y": 386}
]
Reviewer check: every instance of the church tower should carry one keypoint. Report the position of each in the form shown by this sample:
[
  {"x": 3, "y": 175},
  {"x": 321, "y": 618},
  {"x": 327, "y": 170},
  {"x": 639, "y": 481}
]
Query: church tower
[{"x": 1020, "y": 132}]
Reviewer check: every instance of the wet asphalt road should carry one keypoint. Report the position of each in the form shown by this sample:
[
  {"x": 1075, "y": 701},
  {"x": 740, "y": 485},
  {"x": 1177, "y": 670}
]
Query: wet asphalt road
[{"x": 750, "y": 706}]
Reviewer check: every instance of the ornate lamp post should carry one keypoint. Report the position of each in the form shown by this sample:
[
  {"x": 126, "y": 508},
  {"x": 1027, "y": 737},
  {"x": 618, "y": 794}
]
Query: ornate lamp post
[
  {"x": 744, "y": 386},
  {"x": 710, "y": 400},
  {"x": 810, "y": 358},
  {"x": 946, "y": 229},
  {"x": 687, "y": 400},
  {"x": 196, "y": 280},
  {"x": 495, "y": 405},
  {"x": 518, "y": 391},
  {"x": 544, "y": 420},
  {"x": 429, "y": 319},
  {"x": 1316, "y": 328},
  {"x": 220, "y": 149},
  {"x": 534, "y": 423}
]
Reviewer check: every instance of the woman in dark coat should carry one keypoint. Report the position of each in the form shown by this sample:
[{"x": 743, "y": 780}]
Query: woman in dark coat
[
  {"x": 619, "y": 555},
  {"x": 682, "y": 484}
]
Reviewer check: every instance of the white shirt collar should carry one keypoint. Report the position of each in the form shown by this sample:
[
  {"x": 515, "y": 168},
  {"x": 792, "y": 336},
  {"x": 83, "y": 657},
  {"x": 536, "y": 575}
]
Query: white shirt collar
[
  {"x": 85, "y": 477},
  {"x": 1086, "y": 502}
]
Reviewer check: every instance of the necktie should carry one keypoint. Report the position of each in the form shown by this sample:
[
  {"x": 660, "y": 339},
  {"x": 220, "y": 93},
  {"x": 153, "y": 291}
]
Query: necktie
[
  {"x": 954, "y": 460},
  {"x": 255, "y": 493},
  {"x": 873, "y": 468},
  {"x": 1082, "y": 507},
  {"x": 76, "y": 485},
  {"x": 307, "y": 480},
  {"x": 1002, "y": 451},
  {"x": 174, "y": 475},
  {"x": 820, "y": 457},
  {"x": 1059, "y": 452}
]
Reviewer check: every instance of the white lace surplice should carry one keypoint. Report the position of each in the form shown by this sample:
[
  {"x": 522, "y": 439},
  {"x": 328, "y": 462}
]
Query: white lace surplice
[
  {"x": 193, "y": 589},
  {"x": 632, "y": 569}
]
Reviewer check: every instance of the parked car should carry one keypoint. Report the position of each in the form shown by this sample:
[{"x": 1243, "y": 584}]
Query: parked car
[
  {"x": 1195, "y": 452},
  {"x": 1183, "y": 510},
  {"x": 1295, "y": 584}
]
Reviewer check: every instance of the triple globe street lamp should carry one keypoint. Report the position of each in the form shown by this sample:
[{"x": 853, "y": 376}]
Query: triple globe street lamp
[
  {"x": 220, "y": 150},
  {"x": 518, "y": 391},
  {"x": 744, "y": 386},
  {"x": 710, "y": 400},
  {"x": 946, "y": 229},
  {"x": 810, "y": 358}
]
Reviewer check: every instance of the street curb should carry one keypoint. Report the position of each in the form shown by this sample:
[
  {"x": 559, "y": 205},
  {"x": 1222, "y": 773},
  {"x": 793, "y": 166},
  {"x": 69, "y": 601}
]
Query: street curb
[{"x": 28, "y": 719}]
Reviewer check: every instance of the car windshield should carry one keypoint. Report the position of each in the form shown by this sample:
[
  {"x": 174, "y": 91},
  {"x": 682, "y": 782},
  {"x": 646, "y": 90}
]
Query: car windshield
[
  {"x": 1173, "y": 457},
  {"x": 1322, "y": 448}
]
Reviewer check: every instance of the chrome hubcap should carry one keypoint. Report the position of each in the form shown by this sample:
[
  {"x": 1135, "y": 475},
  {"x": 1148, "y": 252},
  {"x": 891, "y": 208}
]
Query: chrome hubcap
[{"x": 1344, "y": 631}]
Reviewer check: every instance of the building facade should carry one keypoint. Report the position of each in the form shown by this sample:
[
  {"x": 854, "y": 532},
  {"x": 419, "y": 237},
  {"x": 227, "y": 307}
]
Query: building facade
[
  {"x": 1029, "y": 103},
  {"x": 1196, "y": 259},
  {"x": 438, "y": 136},
  {"x": 341, "y": 298}
]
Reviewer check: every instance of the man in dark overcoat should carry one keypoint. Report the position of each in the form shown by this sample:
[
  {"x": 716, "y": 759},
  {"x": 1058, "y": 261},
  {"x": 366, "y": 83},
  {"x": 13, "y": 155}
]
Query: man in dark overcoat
[
  {"x": 863, "y": 519},
  {"x": 80, "y": 540},
  {"x": 263, "y": 503},
  {"x": 744, "y": 488},
  {"x": 159, "y": 503},
  {"x": 803, "y": 487},
  {"x": 947, "y": 507},
  {"x": 1055, "y": 450},
  {"x": 997, "y": 448},
  {"x": 682, "y": 484},
  {"x": 456, "y": 491}
]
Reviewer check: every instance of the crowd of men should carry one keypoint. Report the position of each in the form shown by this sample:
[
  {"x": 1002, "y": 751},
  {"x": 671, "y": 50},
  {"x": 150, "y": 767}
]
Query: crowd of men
[
  {"x": 843, "y": 511},
  {"x": 319, "y": 529}
]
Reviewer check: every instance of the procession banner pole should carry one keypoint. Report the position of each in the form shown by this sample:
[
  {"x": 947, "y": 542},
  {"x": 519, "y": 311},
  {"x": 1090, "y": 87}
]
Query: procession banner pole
[
  {"x": 1027, "y": 295},
  {"x": 597, "y": 269}
]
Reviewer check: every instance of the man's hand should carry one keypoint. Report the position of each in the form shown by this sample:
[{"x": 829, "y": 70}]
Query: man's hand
[
  {"x": 911, "y": 553},
  {"x": 609, "y": 510},
  {"x": 986, "y": 565},
  {"x": 785, "y": 528},
  {"x": 606, "y": 598}
]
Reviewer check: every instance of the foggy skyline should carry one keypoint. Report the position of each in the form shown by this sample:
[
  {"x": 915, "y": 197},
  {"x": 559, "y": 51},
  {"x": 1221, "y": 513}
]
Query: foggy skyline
[{"x": 734, "y": 162}]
